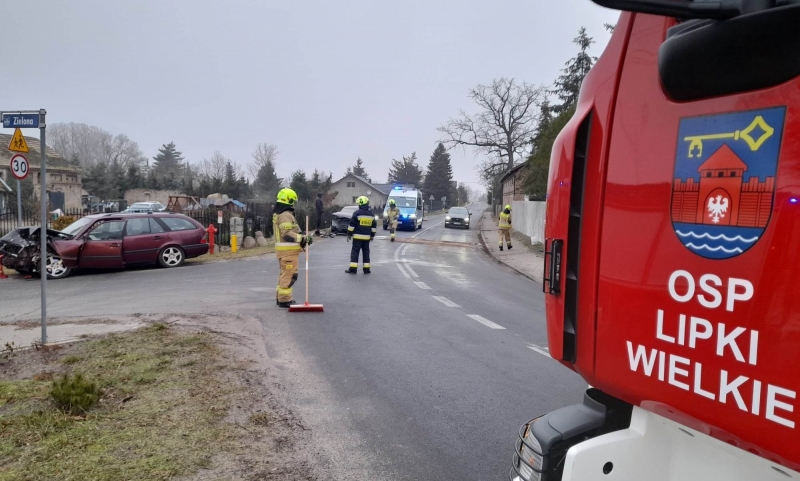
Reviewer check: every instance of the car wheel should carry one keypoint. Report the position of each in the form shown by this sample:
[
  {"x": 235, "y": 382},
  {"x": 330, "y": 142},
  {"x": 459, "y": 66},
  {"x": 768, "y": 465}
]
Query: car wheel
[
  {"x": 56, "y": 268},
  {"x": 171, "y": 256}
]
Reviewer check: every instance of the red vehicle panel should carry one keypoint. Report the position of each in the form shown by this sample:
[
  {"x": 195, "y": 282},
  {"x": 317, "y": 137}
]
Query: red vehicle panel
[{"x": 676, "y": 284}]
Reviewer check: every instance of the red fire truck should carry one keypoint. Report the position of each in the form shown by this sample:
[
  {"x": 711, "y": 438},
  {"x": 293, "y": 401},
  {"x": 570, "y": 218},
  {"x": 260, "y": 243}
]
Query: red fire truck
[{"x": 673, "y": 223}]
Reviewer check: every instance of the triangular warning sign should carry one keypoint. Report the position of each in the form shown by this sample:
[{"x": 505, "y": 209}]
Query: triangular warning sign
[{"x": 18, "y": 143}]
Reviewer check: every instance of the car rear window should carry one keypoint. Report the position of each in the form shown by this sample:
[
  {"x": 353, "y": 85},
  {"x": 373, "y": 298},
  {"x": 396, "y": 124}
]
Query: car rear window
[
  {"x": 176, "y": 223},
  {"x": 155, "y": 227}
]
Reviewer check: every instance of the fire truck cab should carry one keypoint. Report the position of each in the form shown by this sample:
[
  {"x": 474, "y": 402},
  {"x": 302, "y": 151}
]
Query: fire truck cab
[{"x": 673, "y": 224}]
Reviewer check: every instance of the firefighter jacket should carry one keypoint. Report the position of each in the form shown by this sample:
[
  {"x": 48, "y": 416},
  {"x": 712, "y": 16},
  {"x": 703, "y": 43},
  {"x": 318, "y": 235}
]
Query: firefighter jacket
[
  {"x": 392, "y": 214},
  {"x": 363, "y": 225},
  {"x": 287, "y": 232},
  {"x": 505, "y": 220}
]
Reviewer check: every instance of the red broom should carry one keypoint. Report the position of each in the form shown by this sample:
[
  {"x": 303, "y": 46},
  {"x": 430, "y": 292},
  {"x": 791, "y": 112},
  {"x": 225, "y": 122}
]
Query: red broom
[{"x": 306, "y": 307}]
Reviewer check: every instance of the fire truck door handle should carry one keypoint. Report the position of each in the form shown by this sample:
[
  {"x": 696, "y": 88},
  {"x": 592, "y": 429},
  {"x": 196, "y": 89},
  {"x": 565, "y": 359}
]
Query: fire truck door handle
[{"x": 552, "y": 266}]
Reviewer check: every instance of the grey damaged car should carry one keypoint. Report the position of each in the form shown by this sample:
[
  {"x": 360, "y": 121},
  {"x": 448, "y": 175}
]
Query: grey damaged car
[{"x": 21, "y": 249}]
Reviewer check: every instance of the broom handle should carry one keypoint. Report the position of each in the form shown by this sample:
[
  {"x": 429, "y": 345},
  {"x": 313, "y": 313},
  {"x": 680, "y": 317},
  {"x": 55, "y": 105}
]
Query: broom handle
[{"x": 307, "y": 249}]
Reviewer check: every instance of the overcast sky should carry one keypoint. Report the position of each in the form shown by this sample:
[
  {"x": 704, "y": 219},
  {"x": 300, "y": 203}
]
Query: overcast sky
[{"x": 326, "y": 81}]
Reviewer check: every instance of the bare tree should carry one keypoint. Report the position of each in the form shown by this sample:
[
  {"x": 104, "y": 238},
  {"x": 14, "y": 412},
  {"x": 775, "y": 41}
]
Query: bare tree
[
  {"x": 508, "y": 116},
  {"x": 264, "y": 155},
  {"x": 214, "y": 166},
  {"x": 88, "y": 145}
]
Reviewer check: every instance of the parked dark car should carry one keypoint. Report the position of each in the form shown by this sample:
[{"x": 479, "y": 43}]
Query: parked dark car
[
  {"x": 107, "y": 241},
  {"x": 457, "y": 217}
]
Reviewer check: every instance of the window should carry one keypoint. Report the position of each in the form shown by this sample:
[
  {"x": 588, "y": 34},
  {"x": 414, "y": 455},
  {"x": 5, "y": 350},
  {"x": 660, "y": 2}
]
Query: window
[
  {"x": 708, "y": 174},
  {"x": 155, "y": 227},
  {"x": 733, "y": 174},
  {"x": 721, "y": 174},
  {"x": 355, "y": 199},
  {"x": 111, "y": 230},
  {"x": 351, "y": 184},
  {"x": 138, "y": 226},
  {"x": 176, "y": 223}
]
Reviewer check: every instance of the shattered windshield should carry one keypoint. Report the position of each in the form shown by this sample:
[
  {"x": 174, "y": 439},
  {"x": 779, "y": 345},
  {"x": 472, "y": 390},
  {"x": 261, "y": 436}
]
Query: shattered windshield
[{"x": 76, "y": 226}]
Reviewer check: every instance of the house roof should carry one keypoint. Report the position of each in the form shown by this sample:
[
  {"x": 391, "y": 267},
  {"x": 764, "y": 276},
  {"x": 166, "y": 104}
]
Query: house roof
[
  {"x": 4, "y": 187},
  {"x": 511, "y": 172},
  {"x": 723, "y": 159},
  {"x": 54, "y": 159},
  {"x": 381, "y": 188}
]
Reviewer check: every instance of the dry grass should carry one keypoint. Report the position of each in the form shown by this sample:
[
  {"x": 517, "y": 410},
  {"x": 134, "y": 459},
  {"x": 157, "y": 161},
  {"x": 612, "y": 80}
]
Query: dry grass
[
  {"x": 164, "y": 397},
  {"x": 240, "y": 254}
]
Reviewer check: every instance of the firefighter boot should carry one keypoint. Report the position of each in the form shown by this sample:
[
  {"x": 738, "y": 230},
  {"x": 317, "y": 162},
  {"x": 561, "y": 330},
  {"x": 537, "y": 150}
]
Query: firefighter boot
[
  {"x": 367, "y": 269},
  {"x": 353, "y": 269},
  {"x": 501, "y": 247},
  {"x": 286, "y": 304},
  {"x": 509, "y": 246}
]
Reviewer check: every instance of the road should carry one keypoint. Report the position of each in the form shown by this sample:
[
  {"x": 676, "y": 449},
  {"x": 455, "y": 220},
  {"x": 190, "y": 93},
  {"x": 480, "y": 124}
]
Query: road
[{"x": 424, "y": 369}]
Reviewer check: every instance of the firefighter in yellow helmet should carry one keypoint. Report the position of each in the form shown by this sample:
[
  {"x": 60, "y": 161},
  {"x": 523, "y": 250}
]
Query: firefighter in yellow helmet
[
  {"x": 362, "y": 229},
  {"x": 392, "y": 214},
  {"x": 504, "y": 227},
  {"x": 289, "y": 241}
]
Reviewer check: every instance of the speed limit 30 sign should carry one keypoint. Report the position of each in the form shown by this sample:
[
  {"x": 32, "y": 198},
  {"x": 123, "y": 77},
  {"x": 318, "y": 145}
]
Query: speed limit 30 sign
[{"x": 19, "y": 166}]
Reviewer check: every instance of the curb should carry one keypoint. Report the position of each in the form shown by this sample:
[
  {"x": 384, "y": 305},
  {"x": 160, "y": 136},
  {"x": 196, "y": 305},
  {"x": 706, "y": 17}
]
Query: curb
[{"x": 489, "y": 253}]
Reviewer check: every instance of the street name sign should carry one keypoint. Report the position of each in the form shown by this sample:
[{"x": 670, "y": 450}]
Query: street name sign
[{"x": 20, "y": 121}]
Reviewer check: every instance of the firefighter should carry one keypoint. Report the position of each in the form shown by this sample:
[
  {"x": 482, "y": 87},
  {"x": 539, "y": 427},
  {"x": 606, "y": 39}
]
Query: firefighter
[
  {"x": 392, "y": 214},
  {"x": 289, "y": 241},
  {"x": 504, "y": 227},
  {"x": 362, "y": 230}
]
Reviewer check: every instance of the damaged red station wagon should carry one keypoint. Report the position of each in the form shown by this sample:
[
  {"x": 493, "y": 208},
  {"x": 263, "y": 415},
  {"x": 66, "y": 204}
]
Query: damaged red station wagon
[{"x": 107, "y": 241}]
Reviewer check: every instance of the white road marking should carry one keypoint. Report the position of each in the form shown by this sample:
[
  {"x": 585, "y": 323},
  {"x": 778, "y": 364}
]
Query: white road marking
[
  {"x": 410, "y": 270},
  {"x": 421, "y": 285},
  {"x": 485, "y": 322},
  {"x": 400, "y": 266},
  {"x": 405, "y": 248},
  {"x": 447, "y": 302},
  {"x": 541, "y": 350},
  {"x": 426, "y": 230}
]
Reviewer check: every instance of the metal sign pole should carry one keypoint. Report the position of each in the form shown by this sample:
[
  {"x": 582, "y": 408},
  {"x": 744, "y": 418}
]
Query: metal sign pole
[
  {"x": 43, "y": 231},
  {"x": 19, "y": 203}
]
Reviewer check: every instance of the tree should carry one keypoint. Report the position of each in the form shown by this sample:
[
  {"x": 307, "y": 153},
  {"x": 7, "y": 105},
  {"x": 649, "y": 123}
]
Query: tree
[
  {"x": 439, "y": 176},
  {"x": 266, "y": 183},
  {"x": 462, "y": 194},
  {"x": 168, "y": 165},
  {"x": 320, "y": 183},
  {"x": 86, "y": 145},
  {"x": 405, "y": 171},
  {"x": 537, "y": 166},
  {"x": 133, "y": 177},
  {"x": 568, "y": 85},
  {"x": 213, "y": 170},
  {"x": 300, "y": 185},
  {"x": 96, "y": 181},
  {"x": 359, "y": 170},
  {"x": 502, "y": 128}
]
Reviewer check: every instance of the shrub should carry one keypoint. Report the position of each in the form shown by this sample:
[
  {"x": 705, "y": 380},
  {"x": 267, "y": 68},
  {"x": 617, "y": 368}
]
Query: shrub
[
  {"x": 74, "y": 395},
  {"x": 62, "y": 222}
]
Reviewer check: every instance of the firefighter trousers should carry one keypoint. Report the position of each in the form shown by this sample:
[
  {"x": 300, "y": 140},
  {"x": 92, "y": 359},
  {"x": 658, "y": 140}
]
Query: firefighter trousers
[
  {"x": 393, "y": 228},
  {"x": 505, "y": 234},
  {"x": 359, "y": 246},
  {"x": 288, "y": 276}
]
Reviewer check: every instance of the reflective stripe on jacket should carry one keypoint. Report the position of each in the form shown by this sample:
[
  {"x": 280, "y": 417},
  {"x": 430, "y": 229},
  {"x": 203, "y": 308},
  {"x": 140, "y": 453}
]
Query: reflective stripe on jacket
[
  {"x": 363, "y": 225},
  {"x": 505, "y": 220},
  {"x": 393, "y": 214},
  {"x": 287, "y": 234}
]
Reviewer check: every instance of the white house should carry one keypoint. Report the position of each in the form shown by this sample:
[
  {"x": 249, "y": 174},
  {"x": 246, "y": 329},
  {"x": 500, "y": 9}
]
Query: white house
[{"x": 351, "y": 187}]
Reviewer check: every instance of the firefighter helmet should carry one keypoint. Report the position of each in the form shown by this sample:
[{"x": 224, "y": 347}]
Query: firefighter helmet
[
  {"x": 363, "y": 200},
  {"x": 287, "y": 196},
  {"x": 508, "y": 207},
  {"x": 391, "y": 202}
]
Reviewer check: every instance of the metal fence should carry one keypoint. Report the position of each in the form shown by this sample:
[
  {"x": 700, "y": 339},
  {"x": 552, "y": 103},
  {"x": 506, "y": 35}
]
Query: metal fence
[{"x": 31, "y": 217}]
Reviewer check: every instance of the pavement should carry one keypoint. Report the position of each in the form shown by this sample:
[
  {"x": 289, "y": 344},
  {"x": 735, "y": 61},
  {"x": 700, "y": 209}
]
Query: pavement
[
  {"x": 424, "y": 369},
  {"x": 521, "y": 258}
]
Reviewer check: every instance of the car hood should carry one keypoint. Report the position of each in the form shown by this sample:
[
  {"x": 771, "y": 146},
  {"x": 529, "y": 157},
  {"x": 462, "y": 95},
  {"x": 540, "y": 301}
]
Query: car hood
[
  {"x": 342, "y": 215},
  {"x": 25, "y": 236}
]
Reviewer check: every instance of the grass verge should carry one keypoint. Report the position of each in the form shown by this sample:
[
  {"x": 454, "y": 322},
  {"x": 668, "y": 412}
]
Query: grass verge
[
  {"x": 161, "y": 412},
  {"x": 240, "y": 254}
]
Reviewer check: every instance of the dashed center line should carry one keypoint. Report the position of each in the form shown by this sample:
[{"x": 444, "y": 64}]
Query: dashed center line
[
  {"x": 421, "y": 285},
  {"x": 541, "y": 350},
  {"x": 485, "y": 322},
  {"x": 447, "y": 302}
]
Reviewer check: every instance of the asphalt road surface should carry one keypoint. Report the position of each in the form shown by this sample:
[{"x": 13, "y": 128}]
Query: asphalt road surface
[{"x": 422, "y": 370}]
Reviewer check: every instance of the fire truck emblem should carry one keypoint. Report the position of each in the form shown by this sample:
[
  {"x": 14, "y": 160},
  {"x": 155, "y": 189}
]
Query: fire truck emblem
[{"x": 724, "y": 182}]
